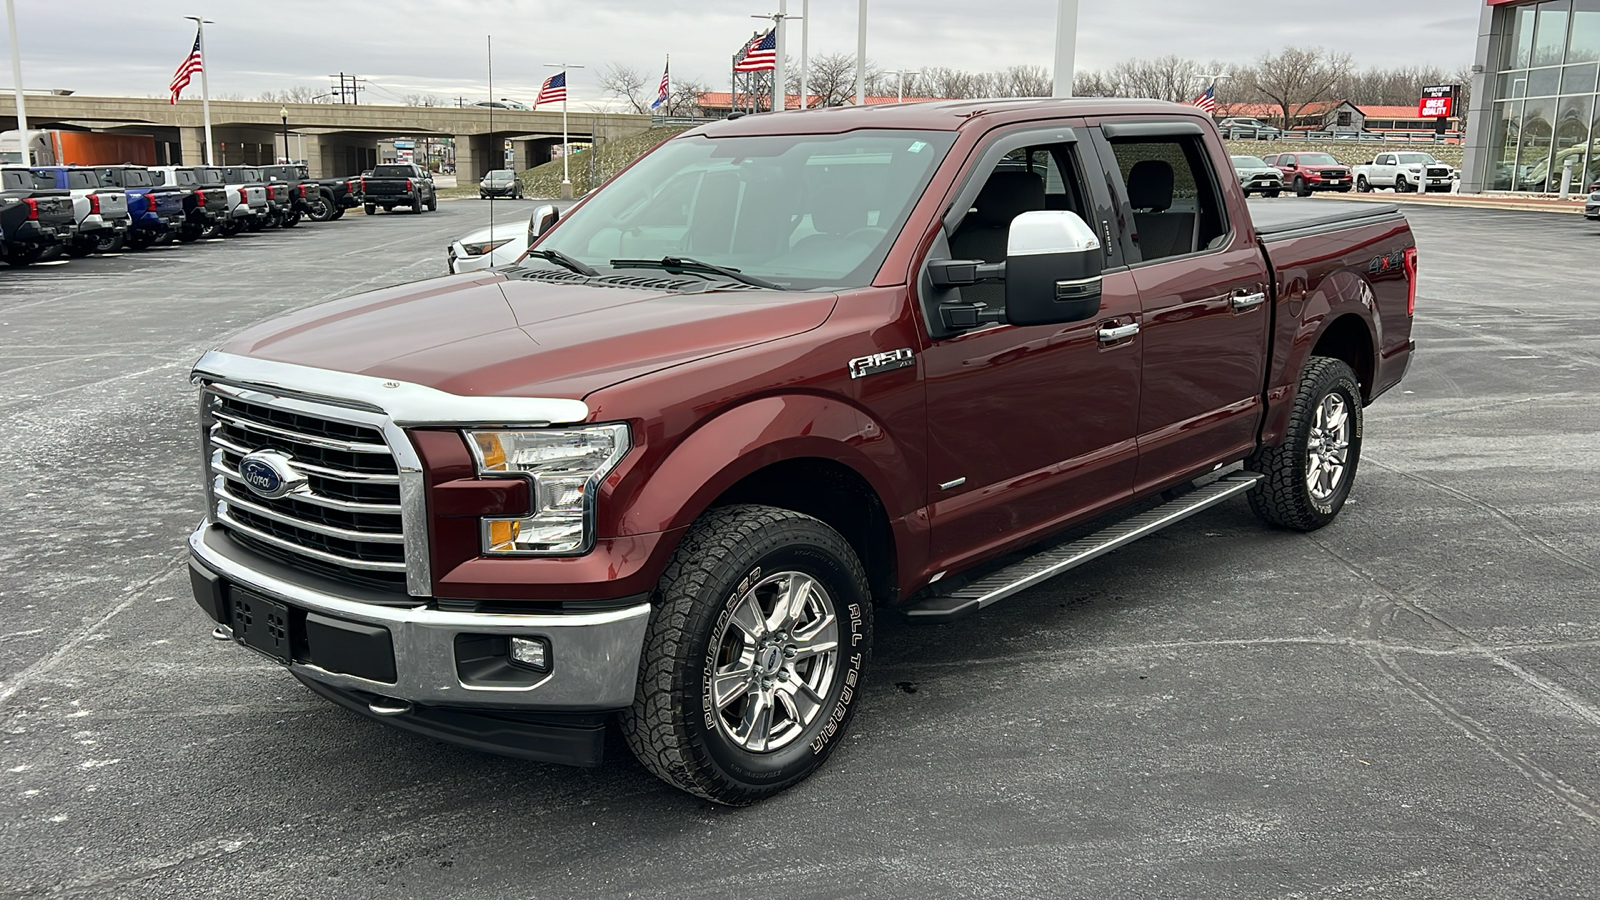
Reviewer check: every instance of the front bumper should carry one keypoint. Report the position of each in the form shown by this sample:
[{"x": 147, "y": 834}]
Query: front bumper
[
  {"x": 440, "y": 658},
  {"x": 1591, "y": 210}
]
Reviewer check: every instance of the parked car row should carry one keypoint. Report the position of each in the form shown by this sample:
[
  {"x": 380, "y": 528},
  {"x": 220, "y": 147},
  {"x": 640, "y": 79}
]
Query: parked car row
[
  {"x": 1405, "y": 172},
  {"x": 46, "y": 211}
]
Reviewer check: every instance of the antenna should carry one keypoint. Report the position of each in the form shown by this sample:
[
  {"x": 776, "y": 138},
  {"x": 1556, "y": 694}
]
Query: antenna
[{"x": 489, "y": 38}]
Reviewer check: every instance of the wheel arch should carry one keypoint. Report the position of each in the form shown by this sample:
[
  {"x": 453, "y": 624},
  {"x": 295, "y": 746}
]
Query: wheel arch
[{"x": 817, "y": 455}]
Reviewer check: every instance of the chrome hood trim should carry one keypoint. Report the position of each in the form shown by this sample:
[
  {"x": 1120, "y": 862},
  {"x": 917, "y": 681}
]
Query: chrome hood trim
[{"x": 406, "y": 404}]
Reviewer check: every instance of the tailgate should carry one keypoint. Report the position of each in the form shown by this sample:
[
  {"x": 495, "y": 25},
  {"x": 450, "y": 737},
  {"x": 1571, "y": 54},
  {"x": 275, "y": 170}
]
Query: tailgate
[{"x": 385, "y": 187}]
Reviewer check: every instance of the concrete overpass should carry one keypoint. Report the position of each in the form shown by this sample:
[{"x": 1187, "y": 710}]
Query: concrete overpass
[{"x": 334, "y": 139}]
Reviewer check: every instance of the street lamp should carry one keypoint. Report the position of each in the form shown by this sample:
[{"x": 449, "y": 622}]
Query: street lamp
[
  {"x": 900, "y": 89},
  {"x": 283, "y": 113}
]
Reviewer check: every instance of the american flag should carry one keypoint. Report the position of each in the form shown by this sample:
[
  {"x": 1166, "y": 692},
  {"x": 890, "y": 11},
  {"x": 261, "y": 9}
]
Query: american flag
[
  {"x": 186, "y": 70},
  {"x": 554, "y": 90},
  {"x": 760, "y": 55},
  {"x": 665, "y": 91},
  {"x": 1208, "y": 100}
]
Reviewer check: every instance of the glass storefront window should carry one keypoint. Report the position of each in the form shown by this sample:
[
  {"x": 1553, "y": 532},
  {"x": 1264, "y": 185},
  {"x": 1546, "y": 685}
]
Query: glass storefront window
[
  {"x": 1578, "y": 79},
  {"x": 1571, "y": 140},
  {"x": 1502, "y": 156},
  {"x": 1584, "y": 45},
  {"x": 1519, "y": 39},
  {"x": 1550, "y": 37},
  {"x": 1543, "y": 82},
  {"x": 1533, "y": 154}
]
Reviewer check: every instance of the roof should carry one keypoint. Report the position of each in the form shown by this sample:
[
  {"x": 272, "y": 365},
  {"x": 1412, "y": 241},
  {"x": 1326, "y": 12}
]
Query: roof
[
  {"x": 1270, "y": 110},
  {"x": 935, "y": 115},
  {"x": 719, "y": 99}
]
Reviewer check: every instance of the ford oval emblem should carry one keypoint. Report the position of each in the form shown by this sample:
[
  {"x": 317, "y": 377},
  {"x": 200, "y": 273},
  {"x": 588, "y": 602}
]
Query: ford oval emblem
[{"x": 268, "y": 474}]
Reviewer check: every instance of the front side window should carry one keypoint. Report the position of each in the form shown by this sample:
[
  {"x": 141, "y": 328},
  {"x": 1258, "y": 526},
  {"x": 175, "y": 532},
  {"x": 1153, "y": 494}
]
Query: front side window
[
  {"x": 802, "y": 211},
  {"x": 1177, "y": 208}
]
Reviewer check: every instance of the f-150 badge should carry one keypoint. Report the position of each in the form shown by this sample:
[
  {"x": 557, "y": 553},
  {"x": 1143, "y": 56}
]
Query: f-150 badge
[{"x": 887, "y": 361}]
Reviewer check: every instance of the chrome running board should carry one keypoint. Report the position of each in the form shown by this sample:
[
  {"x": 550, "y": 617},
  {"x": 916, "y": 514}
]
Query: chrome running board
[{"x": 1020, "y": 576}]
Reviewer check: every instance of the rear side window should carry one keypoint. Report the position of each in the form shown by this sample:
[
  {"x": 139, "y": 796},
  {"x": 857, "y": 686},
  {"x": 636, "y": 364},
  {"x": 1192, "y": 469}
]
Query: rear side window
[{"x": 1177, "y": 208}]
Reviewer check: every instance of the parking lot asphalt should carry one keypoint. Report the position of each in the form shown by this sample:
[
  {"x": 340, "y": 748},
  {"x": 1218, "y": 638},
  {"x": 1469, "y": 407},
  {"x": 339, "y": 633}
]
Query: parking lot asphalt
[{"x": 1403, "y": 704}]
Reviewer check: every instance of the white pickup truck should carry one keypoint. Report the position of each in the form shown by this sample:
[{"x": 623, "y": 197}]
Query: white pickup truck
[{"x": 1404, "y": 171}]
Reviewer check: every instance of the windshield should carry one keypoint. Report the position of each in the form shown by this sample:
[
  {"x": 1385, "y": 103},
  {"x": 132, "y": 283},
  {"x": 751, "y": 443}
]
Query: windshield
[
  {"x": 1317, "y": 159},
  {"x": 500, "y": 175},
  {"x": 1249, "y": 162},
  {"x": 1408, "y": 159},
  {"x": 25, "y": 180},
  {"x": 392, "y": 172},
  {"x": 803, "y": 211}
]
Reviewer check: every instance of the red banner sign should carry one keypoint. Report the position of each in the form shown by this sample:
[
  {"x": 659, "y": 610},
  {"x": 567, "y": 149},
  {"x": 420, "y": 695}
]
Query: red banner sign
[{"x": 1438, "y": 101}]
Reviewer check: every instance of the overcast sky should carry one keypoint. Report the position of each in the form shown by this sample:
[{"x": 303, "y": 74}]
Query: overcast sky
[{"x": 131, "y": 47}]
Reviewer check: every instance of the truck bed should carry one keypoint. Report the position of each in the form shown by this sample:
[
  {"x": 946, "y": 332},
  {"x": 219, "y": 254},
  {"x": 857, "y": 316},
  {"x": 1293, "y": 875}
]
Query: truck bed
[{"x": 1279, "y": 219}]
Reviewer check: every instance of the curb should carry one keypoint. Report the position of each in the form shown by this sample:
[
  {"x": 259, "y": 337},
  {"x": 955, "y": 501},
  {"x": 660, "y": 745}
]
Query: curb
[{"x": 1468, "y": 201}]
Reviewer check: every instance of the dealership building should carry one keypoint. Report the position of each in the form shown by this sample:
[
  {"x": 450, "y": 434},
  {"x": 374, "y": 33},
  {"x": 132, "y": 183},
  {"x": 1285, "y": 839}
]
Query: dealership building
[{"x": 1533, "y": 106}]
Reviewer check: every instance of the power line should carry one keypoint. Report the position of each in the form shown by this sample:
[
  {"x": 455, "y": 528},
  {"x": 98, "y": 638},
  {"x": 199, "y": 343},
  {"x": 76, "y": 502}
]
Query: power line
[{"x": 349, "y": 86}]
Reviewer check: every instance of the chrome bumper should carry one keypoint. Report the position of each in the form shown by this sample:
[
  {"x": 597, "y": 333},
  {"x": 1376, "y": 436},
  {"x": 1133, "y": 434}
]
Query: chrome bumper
[{"x": 595, "y": 655}]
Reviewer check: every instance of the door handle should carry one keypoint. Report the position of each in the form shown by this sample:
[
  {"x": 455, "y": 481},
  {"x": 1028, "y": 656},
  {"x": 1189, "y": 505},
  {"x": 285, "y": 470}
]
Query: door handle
[
  {"x": 1112, "y": 333},
  {"x": 1245, "y": 301}
]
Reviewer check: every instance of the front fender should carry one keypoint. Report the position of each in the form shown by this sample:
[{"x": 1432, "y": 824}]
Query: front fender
[{"x": 670, "y": 488}]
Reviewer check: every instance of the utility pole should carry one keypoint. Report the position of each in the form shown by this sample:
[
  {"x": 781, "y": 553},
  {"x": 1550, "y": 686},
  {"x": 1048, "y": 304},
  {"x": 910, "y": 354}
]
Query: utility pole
[
  {"x": 1066, "y": 47},
  {"x": 861, "y": 55},
  {"x": 349, "y": 86},
  {"x": 16, "y": 79}
]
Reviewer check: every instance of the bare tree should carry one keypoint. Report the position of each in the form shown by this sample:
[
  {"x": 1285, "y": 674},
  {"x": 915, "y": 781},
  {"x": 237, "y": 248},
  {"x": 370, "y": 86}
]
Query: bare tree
[
  {"x": 684, "y": 100},
  {"x": 626, "y": 83},
  {"x": 300, "y": 93},
  {"x": 421, "y": 100},
  {"x": 1297, "y": 77},
  {"x": 833, "y": 78}
]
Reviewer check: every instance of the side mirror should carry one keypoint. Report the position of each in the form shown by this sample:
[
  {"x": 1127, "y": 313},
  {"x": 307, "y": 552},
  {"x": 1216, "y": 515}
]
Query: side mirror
[
  {"x": 1053, "y": 265},
  {"x": 542, "y": 220}
]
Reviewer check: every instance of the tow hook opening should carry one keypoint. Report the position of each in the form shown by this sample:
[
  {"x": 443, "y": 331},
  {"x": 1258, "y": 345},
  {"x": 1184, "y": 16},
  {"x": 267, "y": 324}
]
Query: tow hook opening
[{"x": 388, "y": 706}]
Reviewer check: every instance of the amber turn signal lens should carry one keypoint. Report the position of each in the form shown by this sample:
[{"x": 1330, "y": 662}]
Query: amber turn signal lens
[{"x": 503, "y": 532}]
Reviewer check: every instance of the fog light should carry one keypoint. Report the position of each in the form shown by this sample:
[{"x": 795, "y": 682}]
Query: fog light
[{"x": 531, "y": 653}]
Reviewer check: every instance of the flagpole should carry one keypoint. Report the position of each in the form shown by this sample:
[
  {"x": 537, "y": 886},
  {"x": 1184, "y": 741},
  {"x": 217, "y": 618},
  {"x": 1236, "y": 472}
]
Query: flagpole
[
  {"x": 566, "y": 146},
  {"x": 805, "y": 52},
  {"x": 205, "y": 84},
  {"x": 16, "y": 79},
  {"x": 861, "y": 55}
]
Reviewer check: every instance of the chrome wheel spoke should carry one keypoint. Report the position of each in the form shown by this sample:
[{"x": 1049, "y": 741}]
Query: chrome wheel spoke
[
  {"x": 799, "y": 700},
  {"x": 791, "y": 602},
  {"x": 730, "y": 683},
  {"x": 748, "y": 619},
  {"x": 756, "y": 724}
]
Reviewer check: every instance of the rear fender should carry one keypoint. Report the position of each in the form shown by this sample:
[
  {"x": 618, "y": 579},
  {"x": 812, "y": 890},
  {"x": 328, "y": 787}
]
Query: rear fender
[
  {"x": 1339, "y": 296},
  {"x": 672, "y": 491}
]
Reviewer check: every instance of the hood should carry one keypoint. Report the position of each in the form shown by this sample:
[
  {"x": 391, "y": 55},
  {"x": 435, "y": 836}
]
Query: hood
[{"x": 484, "y": 334}]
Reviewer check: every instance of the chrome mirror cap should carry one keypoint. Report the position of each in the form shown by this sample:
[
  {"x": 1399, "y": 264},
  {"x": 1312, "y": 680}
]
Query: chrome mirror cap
[{"x": 1049, "y": 231}]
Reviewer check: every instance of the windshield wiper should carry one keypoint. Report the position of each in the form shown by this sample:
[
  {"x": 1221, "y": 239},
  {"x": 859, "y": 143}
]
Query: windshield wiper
[
  {"x": 679, "y": 264},
  {"x": 563, "y": 260}
]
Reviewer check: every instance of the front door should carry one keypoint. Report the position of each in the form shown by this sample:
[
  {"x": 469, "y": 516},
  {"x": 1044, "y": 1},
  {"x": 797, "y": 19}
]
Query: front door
[
  {"x": 1029, "y": 427},
  {"x": 1204, "y": 292}
]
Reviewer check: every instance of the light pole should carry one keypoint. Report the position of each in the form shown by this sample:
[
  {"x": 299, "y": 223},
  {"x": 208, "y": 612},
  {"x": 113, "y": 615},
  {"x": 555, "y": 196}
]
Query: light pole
[
  {"x": 861, "y": 55},
  {"x": 901, "y": 83},
  {"x": 205, "y": 84},
  {"x": 1066, "y": 47},
  {"x": 16, "y": 79},
  {"x": 805, "y": 52},
  {"x": 283, "y": 113}
]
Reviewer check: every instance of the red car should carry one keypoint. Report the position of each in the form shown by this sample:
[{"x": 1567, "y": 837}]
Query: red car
[
  {"x": 1307, "y": 172},
  {"x": 781, "y": 375}
]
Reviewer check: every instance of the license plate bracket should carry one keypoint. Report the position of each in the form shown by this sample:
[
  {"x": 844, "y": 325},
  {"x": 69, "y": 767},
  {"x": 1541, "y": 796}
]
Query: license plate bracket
[{"x": 262, "y": 625}]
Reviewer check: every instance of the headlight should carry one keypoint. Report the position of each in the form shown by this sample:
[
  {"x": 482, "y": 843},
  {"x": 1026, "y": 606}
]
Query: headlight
[
  {"x": 565, "y": 467},
  {"x": 483, "y": 247}
]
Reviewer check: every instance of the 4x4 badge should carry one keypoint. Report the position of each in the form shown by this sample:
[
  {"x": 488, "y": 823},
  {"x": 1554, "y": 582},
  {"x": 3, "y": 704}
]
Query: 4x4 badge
[{"x": 882, "y": 362}]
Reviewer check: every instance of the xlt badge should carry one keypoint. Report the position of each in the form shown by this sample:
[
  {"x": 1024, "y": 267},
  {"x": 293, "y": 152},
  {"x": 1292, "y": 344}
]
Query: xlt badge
[{"x": 882, "y": 362}]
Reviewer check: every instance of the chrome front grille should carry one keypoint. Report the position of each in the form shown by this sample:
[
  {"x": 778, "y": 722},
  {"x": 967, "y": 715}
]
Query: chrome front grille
[{"x": 346, "y": 521}]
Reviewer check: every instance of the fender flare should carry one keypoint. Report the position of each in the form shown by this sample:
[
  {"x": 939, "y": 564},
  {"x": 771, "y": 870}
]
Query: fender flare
[
  {"x": 1341, "y": 295},
  {"x": 673, "y": 490}
]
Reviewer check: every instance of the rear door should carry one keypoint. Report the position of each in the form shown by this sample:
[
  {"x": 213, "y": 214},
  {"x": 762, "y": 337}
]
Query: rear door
[{"x": 1203, "y": 292}]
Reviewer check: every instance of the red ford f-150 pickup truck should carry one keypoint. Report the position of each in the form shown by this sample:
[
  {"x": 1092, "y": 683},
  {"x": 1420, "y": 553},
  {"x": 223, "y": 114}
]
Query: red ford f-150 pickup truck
[{"x": 782, "y": 374}]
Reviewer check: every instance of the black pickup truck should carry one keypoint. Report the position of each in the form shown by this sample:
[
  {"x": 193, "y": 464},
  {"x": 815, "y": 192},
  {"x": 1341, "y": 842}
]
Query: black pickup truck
[
  {"x": 336, "y": 196},
  {"x": 205, "y": 200},
  {"x": 402, "y": 184},
  {"x": 305, "y": 192},
  {"x": 35, "y": 222}
]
